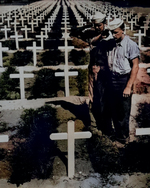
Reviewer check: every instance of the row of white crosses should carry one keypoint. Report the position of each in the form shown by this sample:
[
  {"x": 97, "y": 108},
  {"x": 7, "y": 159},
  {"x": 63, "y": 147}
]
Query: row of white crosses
[
  {"x": 66, "y": 74},
  {"x": 22, "y": 19}
]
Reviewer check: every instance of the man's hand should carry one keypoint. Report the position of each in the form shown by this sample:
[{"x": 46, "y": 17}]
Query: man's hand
[{"x": 127, "y": 92}]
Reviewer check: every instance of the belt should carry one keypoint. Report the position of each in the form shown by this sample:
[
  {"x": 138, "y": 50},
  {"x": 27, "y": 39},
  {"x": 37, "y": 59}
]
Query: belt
[{"x": 120, "y": 75}]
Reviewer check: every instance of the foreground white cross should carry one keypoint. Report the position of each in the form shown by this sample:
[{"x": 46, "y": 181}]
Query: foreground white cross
[
  {"x": 21, "y": 76},
  {"x": 70, "y": 136},
  {"x": 4, "y": 138}
]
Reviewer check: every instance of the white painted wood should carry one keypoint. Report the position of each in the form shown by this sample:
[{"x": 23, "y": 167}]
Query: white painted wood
[
  {"x": 16, "y": 36},
  {"x": 4, "y": 138},
  {"x": 143, "y": 131},
  {"x": 70, "y": 136},
  {"x": 5, "y": 29},
  {"x": 2, "y": 49},
  {"x": 34, "y": 48},
  {"x": 26, "y": 31},
  {"x": 139, "y": 35},
  {"x": 21, "y": 76}
]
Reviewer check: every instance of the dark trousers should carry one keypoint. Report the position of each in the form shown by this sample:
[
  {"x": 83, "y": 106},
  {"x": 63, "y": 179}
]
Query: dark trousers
[
  {"x": 101, "y": 105},
  {"x": 120, "y": 106}
]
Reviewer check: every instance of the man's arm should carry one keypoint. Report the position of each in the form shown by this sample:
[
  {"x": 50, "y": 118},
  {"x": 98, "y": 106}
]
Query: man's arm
[{"x": 134, "y": 71}]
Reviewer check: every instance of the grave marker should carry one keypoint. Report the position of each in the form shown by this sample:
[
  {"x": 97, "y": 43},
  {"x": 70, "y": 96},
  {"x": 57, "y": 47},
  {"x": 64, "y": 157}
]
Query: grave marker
[
  {"x": 21, "y": 76},
  {"x": 70, "y": 136},
  {"x": 4, "y": 138},
  {"x": 143, "y": 131},
  {"x": 5, "y": 29},
  {"x": 139, "y": 37},
  {"x": 16, "y": 36},
  {"x": 42, "y": 39},
  {"x": 26, "y": 29},
  {"x": 34, "y": 48},
  {"x": 2, "y": 49}
]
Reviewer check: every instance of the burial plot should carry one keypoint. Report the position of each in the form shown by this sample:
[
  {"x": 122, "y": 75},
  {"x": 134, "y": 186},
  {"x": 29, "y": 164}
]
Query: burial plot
[{"x": 70, "y": 136}]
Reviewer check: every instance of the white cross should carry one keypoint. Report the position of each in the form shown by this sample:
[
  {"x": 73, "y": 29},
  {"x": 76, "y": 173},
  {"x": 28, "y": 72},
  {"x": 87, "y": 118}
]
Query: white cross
[
  {"x": 139, "y": 36},
  {"x": 2, "y": 16},
  {"x": 49, "y": 25},
  {"x": 22, "y": 20},
  {"x": 21, "y": 76},
  {"x": 66, "y": 74},
  {"x": 34, "y": 48},
  {"x": 108, "y": 19},
  {"x": 25, "y": 29},
  {"x": 70, "y": 136},
  {"x": 8, "y": 21},
  {"x": 15, "y": 23},
  {"x": 5, "y": 29},
  {"x": 132, "y": 21},
  {"x": 45, "y": 29},
  {"x": 42, "y": 39},
  {"x": 16, "y": 36},
  {"x": 32, "y": 23},
  {"x": 143, "y": 131},
  {"x": 145, "y": 28},
  {"x": 2, "y": 50},
  {"x": 4, "y": 138},
  {"x": 81, "y": 22},
  {"x": 125, "y": 28}
]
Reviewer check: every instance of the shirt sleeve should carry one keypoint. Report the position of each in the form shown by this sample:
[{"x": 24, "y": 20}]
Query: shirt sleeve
[{"x": 134, "y": 50}]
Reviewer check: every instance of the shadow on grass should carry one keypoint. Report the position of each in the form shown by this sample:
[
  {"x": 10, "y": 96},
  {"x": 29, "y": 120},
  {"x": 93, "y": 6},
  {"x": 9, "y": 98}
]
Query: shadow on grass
[{"x": 80, "y": 111}]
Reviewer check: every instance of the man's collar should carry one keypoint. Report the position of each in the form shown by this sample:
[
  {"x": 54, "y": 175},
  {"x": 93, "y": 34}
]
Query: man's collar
[{"x": 121, "y": 43}]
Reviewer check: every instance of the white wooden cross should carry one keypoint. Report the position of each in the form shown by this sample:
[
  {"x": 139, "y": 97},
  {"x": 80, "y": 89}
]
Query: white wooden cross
[
  {"x": 8, "y": 21},
  {"x": 145, "y": 28},
  {"x": 143, "y": 131},
  {"x": 42, "y": 39},
  {"x": 25, "y": 29},
  {"x": 132, "y": 21},
  {"x": 49, "y": 24},
  {"x": 2, "y": 50},
  {"x": 5, "y": 29},
  {"x": 15, "y": 23},
  {"x": 139, "y": 36},
  {"x": 22, "y": 19},
  {"x": 34, "y": 48},
  {"x": 125, "y": 28},
  {"x": 4, "y": 138},
  {"x": 45, "y": 29},
  {"x": 66, "y": 74},
  {"x": 32, "y": 23},
  {"x": 16, "y": 36},
  {"x": 70, "y": 136},
  {"x": 21, "y": 76}
]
